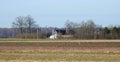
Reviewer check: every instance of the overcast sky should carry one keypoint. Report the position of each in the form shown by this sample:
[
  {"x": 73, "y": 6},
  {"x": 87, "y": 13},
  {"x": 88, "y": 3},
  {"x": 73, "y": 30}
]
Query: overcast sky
[{"x": 56, "y": 12}]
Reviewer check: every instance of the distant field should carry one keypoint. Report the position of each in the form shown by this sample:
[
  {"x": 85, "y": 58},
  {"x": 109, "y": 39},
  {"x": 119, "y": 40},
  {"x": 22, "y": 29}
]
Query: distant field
[{"x": 60, "y": 51}]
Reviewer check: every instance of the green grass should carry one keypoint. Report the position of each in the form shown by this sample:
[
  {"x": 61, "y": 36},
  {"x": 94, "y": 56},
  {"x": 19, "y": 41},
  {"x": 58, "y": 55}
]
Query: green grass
[{"x": 60, "y": 56}]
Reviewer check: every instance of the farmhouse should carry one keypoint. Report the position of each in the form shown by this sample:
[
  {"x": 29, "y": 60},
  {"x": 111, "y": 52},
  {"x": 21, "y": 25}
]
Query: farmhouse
[{"x": 59, "y": 33}]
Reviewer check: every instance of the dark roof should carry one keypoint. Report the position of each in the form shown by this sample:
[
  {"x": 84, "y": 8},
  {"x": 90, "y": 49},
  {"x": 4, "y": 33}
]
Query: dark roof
[{"x": 61, "y": 31}]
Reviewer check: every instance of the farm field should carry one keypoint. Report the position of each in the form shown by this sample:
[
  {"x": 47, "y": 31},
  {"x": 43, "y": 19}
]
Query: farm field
[{"x": 64, "y": 51}]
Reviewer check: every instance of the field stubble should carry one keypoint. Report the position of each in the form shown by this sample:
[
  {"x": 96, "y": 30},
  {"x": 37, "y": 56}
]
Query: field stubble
[{"x": 79, "y": 51}]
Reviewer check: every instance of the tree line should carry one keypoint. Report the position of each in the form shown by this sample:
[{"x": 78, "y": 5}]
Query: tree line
[
  {"x": 26, "y": 27},
  {"x": 90, "y": 30}
]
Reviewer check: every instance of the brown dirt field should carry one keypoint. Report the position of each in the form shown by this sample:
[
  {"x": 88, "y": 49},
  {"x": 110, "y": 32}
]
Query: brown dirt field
[{"x": 77, "y": 46}]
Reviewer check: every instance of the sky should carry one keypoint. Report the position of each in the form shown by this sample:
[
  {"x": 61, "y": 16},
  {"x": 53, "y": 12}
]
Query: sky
[{"x": 54, "y": 13}]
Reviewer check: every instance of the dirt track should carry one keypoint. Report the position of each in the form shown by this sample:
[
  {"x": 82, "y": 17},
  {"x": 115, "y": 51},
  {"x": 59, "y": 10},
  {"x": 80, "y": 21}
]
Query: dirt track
[{"x": 61, "y": 46}]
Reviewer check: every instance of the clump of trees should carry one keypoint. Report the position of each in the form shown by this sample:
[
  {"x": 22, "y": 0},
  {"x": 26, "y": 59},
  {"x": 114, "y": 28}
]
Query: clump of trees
[
  {"x": 24, "y": 24},
  {"x": 112, "y": 32},
  {"x": 90, "y": 30},
  {"x": 27, "y": 28},
  {"x": 83, "y": 30}
]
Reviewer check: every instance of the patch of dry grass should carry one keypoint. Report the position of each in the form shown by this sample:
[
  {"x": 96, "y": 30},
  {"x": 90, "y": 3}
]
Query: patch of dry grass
[
  {"x": 55, "y": 40},
  {"x": 47, "y": 61},
  {"x": 59, "y": 56}
]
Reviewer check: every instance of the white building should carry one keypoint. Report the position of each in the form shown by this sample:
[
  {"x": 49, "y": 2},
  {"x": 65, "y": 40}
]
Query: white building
[
  {"x": 57, "y": 32},
  {"x": 54, "y": 35}
]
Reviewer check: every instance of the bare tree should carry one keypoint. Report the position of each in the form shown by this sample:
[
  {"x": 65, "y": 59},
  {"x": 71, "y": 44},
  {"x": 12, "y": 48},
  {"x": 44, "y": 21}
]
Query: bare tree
[
  {"x": 90, "y": 28},
  {"x": 20, "y": 24},
  {"x": 30, "y": 23},
  {"x": 71, "y": 27}
]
